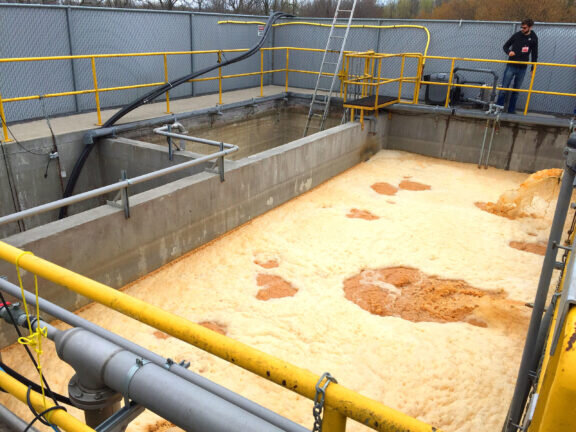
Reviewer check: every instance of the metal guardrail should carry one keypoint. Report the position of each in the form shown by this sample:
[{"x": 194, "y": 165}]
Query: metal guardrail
[
  {"x": 418, "y": 81},
  {"x": 124, "y": 184}
]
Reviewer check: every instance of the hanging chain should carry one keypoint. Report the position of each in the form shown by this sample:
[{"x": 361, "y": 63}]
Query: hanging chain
[{"x": 319, "y": 399}]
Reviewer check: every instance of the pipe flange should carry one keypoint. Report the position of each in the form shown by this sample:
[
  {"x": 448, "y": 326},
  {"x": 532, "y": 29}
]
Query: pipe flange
[{"x": 91, "y": 399}]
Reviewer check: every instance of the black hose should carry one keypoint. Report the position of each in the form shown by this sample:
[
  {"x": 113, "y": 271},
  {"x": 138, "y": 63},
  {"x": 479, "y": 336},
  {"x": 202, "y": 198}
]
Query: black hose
[{"x": 150, "y": 96}]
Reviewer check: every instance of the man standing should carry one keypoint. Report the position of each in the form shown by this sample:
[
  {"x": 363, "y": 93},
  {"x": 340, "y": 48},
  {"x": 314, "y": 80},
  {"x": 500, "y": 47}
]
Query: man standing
[{"x": 519, "y": 48}]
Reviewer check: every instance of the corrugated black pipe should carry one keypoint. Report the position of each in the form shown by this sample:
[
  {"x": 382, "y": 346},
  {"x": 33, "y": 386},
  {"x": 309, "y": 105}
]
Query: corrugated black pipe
[{"x": 150, "y": 96}]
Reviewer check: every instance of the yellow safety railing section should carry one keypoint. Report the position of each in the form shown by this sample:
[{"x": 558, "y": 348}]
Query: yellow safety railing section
[
  {"x": 530, "y": 91},
  {"x": 340, "y": 402},
  {"x": 98, "y": 87},
  {"x": 366, "y": 75}
]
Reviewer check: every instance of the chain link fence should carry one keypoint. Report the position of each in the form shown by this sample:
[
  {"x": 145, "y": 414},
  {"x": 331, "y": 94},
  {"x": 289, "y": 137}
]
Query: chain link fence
[{"x": 36, "y": 30}]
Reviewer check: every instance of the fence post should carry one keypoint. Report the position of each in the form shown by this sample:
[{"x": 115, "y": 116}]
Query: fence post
[
  {"x": 287, "y": 62},
  {"x": 96, "y": 95},
  {"x": 261, "y": 73}
]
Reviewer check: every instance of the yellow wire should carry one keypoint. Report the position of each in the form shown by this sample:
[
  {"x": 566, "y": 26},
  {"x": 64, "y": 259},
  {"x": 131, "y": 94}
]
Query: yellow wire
[{"x": 34, "y": 339}]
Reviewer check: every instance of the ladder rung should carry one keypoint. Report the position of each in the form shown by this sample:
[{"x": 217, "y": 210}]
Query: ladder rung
[
  {"x": 332, "y": 63},
  {"x": 338, "y": 37},
  {"x": 323, "y": 89},
  {"x": 344, "y": 10}
]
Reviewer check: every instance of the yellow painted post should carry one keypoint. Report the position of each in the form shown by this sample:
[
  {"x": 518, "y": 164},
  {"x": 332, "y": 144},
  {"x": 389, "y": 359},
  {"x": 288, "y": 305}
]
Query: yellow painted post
[
  {"x": 418, "y": 79},
  {"x": 96, "y": 95},
  {"x": 449, "y": 84},
  {"x": 287, "y": 62},
  {"x": 261, "y": 73},
  {"x": 219, "y": 78},
  {"x": 351, "y": 114},
  {"x": 378, "y": 85},
  {"x": 3, "y": 118},
  {"x": 530, "y": 90},
  {"x": 333, "y": 421},
  {"x": 401, "y": 78},
  {"x": 362, "y": 118},
  {"x": 166, "y": 80}
]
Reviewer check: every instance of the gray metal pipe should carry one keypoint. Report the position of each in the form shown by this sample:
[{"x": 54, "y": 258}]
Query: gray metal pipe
[
  {"x": 114, "y": 187},
  {"x": 222, "y": 392},
  {"x": 11, "y": 422},
  {"x": 530, "y": 357},
  {"x": 99, "y": 363}
]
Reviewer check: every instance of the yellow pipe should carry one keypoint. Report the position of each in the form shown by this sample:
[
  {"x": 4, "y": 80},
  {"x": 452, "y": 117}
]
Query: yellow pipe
[
  {"x": 96, "y": 96},
  {"x": 349, "y": 403},
  {"x": 166, "y": 81},
  {"x": 287, "y": 62},
  {"x": 58, "y": 417},
  {"x": 3, "y": 119},
  {"x": 530, "y": 90},
  {"x": 261, "y": 73},
  {"x": 339, "y": 25}
]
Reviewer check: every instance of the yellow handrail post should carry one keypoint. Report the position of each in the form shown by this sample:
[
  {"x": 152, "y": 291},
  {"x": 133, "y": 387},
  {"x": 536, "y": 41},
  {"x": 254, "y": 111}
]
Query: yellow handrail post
[
  {"x": 287, "y": 62},
  {"x": 96, "y": 95},
  {"x": 418, "y": 79},
  {"x": 333, "y": 421},
  {"x": 530, "y": 90},
  {"x": 449, "y": 83},
  {"x": 166, "y": 80},
  {"x": 401, "y": 77},
  {"x": 3, "y": 118},
  {"x": 378, "y": 84},
  {"x": 261, "y": 73},
  {"x": 219, "y": 78}
]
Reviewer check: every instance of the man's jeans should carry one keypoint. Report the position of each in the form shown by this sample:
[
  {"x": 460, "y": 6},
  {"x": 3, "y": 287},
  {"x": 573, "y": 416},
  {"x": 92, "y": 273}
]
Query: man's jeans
[{"x": 516, "y": 72}]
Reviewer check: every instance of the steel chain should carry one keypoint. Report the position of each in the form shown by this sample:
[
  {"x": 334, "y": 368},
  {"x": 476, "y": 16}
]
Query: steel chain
[{"x": 319, "y": 399}]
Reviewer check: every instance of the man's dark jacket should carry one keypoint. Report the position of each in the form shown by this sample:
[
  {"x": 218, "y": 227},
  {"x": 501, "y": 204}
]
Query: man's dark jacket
[{"x": 523, "y": 46}]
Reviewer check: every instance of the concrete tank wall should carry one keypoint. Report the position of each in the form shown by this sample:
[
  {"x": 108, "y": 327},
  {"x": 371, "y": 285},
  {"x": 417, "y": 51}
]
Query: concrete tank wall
[{"x": 168, "y": 221}]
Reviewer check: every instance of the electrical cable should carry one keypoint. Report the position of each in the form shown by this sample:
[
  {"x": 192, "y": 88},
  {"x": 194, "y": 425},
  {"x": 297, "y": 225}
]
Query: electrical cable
[
  {"x": 153, "y": 94},
  {"x": 18, "y": 142},
  {"x": 49, "y": 390},
  {"x": 40, "y": 415},
  {"x": 36, "y": 387}
]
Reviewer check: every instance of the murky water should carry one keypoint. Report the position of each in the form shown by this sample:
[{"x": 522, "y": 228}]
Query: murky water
[{"x": 406, "y": 294}]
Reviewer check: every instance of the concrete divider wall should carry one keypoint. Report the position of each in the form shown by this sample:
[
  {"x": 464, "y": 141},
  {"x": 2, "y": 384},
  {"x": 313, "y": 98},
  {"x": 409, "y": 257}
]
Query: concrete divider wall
[
  {"x": 168, "y": 221},
  {"x": 526, "y": 144}
]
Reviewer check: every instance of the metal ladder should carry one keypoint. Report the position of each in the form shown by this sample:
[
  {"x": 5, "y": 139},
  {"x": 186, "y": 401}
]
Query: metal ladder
[{"x": 331, "y": 61}]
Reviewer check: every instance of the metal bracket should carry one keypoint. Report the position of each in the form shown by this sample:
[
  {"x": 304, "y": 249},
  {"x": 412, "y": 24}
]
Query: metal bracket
[
  {"x": 118, "y": 421},
  {"x": 140, "y": 362},
  {"x": 122, "y": 196}
]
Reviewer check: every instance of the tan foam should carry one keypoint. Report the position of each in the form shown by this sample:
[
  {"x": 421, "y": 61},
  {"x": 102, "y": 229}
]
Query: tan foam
[{"x": 458, "y": 376}]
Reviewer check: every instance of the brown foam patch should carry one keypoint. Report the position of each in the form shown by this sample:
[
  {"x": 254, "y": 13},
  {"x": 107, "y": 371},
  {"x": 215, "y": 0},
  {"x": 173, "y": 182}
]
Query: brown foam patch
[
  {"x": 361, "y": 214},
  {"x": 274, "y": 287},
  {"x": 384, "y": 188},
  {"x": 535, "y": 248},
  {"x": 160, "y": 335},
  {"x": 267, "y": 264},
  {"x": 496, "y": 210},
  {"x": 214, "y": 326},
  {"x": 413, "y": 186},
  {"x": 408, "y": 293}
]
